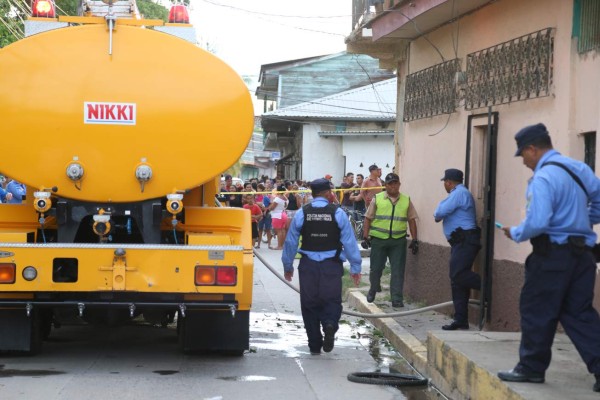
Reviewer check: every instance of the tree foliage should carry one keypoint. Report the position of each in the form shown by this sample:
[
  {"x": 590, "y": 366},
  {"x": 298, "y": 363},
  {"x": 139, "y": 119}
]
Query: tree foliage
[
  {"x": 11, "y": 25},
  {"x": 66, "y": 7},
  {"x": 151, "y": 10}
]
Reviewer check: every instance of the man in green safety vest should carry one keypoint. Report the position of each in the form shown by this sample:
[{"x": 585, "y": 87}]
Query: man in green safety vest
[{"x": 385, "y": 231}]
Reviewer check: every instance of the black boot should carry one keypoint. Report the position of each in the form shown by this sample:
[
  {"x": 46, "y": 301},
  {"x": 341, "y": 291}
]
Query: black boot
[{"x": 371, "y": 296}]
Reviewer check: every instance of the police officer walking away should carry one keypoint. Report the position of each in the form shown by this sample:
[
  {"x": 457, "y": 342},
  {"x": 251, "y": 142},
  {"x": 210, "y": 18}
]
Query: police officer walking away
[
  {"x": 457, "y": 211},
  {"x": 563, "y": 202},
  {"x": 386, "y": 222},
  {"x": 327, "y": 239}
]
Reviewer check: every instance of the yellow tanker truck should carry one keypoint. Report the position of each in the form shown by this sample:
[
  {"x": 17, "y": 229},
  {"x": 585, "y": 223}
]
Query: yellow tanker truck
[{"x": 120, "y": 129}]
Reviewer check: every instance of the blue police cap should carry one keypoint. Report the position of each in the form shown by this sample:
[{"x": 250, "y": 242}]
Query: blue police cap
[
  {"x": 320, "y": 185},
  {"x": 453, "y": 174},
  {"x": 529, "y": 135}
]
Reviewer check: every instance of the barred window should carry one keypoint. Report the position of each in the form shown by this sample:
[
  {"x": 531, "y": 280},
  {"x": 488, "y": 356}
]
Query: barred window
[
  {"x": 586, "y": 24},
  {"x": 431, "y": 91},
  {"x": 516, "y": 70}
]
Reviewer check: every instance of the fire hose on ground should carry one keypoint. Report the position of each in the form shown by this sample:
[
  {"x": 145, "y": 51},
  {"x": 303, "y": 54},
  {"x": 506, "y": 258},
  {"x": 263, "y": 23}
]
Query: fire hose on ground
[
  {"x": 364, "y": 315},
  {"x": 376, "y": 378}
]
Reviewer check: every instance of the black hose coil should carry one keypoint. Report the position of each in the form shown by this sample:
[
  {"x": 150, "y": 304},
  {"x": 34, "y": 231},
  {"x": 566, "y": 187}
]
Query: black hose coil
[{"x": 390, "y": 379}]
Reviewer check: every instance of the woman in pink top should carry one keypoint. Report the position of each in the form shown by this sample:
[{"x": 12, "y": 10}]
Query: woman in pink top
[{"x": 279, "y": 216}]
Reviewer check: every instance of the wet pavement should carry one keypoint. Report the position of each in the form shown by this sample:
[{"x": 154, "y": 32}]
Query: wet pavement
[
  {"x": 464, "y": 364},
  {"x": 354, "y": 333}
]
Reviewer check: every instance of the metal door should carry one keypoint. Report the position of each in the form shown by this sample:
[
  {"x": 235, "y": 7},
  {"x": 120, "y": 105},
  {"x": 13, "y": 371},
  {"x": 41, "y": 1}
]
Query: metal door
[{"x": 480, "y": 178}]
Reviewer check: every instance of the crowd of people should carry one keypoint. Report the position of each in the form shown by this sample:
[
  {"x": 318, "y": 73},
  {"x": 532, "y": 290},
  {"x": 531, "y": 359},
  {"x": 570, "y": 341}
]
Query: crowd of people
[{"x": 279, "y": 199}]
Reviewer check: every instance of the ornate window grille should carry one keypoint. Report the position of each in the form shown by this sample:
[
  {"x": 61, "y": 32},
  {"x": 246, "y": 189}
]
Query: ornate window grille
[
  {"x": 431, "y": 91},
  {"x": 516, "y": 70}
]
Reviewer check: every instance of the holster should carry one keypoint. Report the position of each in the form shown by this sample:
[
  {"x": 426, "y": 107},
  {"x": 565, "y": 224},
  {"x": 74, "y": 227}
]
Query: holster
[
  {"x": 541, "y": 245},
  {"x": 596, "y": 252},
  {"x": 457, "y": 236},
  {"x": 577, "y": 245}
]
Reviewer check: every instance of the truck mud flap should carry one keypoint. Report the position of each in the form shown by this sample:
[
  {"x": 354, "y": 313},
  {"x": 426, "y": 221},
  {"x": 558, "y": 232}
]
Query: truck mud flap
[
  {"x": 19, "y": 332},
  {"x": 214, "y": 331}
]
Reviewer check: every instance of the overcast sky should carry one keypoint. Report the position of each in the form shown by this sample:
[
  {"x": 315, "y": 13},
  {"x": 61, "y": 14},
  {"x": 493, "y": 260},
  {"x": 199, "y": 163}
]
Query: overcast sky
[{"x": 246, "y": 34}]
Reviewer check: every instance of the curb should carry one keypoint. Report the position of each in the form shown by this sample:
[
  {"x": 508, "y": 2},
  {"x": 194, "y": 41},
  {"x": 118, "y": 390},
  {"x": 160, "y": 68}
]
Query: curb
[
  {"x": 448, "y": 369},
  {"x": 457, "y": 376}
]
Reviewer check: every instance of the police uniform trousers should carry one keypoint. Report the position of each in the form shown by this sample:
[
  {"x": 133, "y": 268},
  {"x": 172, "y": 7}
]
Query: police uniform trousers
[
  {"x": 320, "y": 296},
  {"x": 462, "y": 277},
  {"x": 558, "y": 287},
  {"x": 395, "y": 250}
]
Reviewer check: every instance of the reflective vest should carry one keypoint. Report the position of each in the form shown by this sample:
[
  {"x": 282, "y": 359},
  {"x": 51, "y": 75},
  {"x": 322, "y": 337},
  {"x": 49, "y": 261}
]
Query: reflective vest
[{"x": 390, "y": 219}]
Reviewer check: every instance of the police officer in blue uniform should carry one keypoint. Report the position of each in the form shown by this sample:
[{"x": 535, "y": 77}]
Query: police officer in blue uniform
[
  {"x": 457, "y": 211},
  {"x": 327, "y": 239},
  {"x": 563, "y": 202}
]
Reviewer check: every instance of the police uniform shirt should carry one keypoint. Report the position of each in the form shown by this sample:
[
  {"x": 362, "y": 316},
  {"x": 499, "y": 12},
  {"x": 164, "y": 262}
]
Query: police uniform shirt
[
  {"x": 350, "y": 251},
  {"x": 556, "y": 204},
  {"x": 457, "y": 211}
]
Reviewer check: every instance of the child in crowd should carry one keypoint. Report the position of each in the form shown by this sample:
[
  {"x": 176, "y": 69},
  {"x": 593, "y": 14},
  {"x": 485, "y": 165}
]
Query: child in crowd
[{"x": 256, "y": 215}]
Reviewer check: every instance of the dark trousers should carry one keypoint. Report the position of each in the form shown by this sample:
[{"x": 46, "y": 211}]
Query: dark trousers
[
  {"x": 320, "y": 297},
  {"x": 462, "y": 277},
  {"x": 558, "y": 287},
  {"x": 395, "y": 251}
]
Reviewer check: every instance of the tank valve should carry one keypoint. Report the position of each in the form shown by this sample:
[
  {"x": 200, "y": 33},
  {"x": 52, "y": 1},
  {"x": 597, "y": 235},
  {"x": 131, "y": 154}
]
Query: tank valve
[
  {"x": 75, "y": 172},
  {"x": 143, "y": 173},
  {"x": 101, "y": 224}
]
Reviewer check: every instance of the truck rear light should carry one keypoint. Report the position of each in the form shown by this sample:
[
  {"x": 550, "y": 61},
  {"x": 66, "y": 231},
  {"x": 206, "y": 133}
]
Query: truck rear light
[
  {"x": 43, "y": 9},
  {"x": 216, "y": 276},
  {"x": 205, "y": 275},
  {"x": 226, "y": 276},
  {"x": 178, "y": 14},
  {"x": 7, "y": 273},
  {"x": 29, "y": 273}
]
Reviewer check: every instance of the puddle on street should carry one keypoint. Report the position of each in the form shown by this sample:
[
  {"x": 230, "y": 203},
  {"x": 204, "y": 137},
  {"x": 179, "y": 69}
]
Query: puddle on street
[
  {"x": 166, "y": 372},
  {"x": 285, "y": 333},
  {"x": 9, "y": 373}
]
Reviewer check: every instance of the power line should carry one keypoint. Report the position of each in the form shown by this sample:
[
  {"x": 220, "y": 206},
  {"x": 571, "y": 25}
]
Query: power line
[
  {"x": 276, "y": 15},
  {"x": 261, "y": 16}
]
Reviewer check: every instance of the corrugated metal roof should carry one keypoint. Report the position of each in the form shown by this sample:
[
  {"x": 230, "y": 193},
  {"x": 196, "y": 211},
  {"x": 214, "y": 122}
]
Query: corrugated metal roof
[{"x": 370, "y": 102}]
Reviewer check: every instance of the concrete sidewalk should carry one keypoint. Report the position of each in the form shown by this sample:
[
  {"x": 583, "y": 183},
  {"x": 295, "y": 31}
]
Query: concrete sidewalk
[{"x": 464, "y": 364}]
